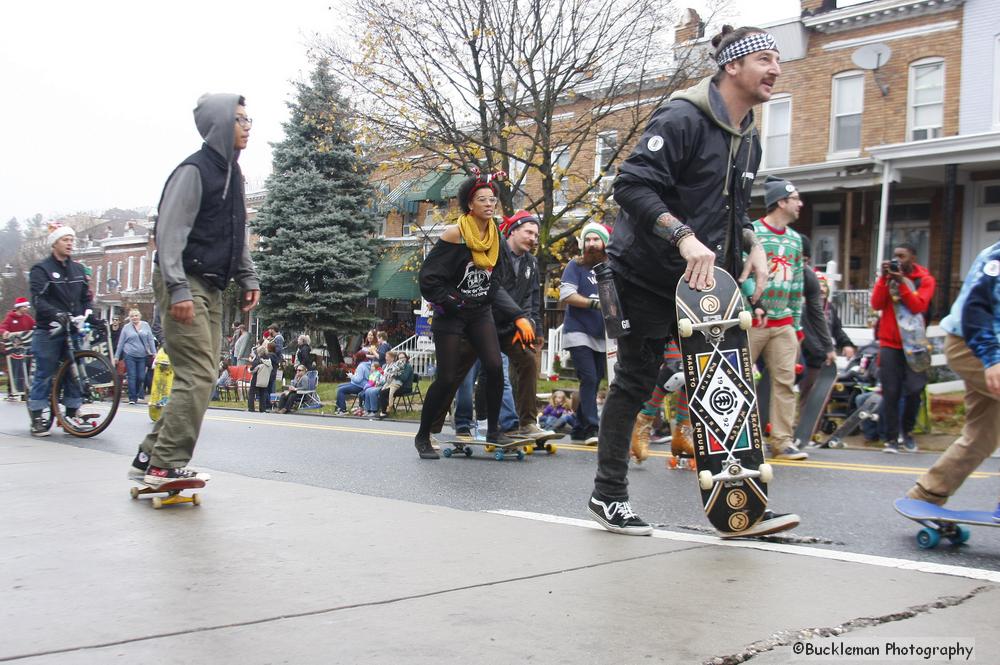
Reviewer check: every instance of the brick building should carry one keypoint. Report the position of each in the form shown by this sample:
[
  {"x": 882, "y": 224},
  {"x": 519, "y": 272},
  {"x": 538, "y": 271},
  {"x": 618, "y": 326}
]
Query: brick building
[{"x": 120, "y": 257}]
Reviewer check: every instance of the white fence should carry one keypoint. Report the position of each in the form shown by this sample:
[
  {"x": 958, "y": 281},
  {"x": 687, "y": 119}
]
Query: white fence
[{"x": 421, "y": 354}]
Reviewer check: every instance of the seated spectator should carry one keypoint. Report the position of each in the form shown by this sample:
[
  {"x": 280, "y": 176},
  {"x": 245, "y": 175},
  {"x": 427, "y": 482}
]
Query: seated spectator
[
  {"x": 557, "y": 415},
  {"x": 399, "y": 377},
  {"x": 357, "y": 384},
  {"x": 376, "y": 379},
  {"x": 224, "y": 380},
  {"x": 289, "y": 398}
]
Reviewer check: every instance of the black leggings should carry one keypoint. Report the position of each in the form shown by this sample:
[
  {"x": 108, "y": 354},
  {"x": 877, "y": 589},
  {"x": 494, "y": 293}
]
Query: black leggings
[{"x": 454, "y": 358}]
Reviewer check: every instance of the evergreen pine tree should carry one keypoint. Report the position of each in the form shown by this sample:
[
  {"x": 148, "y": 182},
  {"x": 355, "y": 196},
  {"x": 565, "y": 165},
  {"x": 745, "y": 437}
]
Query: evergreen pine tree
[{"x": 316, "y": 228}]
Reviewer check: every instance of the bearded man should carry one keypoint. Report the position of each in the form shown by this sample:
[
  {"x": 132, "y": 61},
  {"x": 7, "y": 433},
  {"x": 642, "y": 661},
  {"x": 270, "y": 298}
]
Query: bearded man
[{"x": 583, "y": 327}]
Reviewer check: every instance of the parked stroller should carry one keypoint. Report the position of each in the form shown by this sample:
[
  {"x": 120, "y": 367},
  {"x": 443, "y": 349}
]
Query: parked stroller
[{"x": 860, "y": 377}]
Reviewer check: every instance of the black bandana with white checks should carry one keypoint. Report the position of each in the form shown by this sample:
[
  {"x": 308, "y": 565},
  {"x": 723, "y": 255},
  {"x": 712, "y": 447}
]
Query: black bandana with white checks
[{"x": 758, "y": 41}]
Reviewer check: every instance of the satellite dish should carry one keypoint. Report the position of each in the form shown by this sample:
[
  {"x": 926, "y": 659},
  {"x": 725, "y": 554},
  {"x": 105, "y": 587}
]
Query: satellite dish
[{"x": 871, "y": 56}]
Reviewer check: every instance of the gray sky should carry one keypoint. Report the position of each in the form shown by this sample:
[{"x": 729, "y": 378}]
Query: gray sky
[{"x": 97, "y": 96}]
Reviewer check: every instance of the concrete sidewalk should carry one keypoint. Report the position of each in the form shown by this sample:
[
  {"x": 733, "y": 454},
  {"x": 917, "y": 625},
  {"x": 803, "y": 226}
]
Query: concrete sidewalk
[{"x": 272, "y": 572}]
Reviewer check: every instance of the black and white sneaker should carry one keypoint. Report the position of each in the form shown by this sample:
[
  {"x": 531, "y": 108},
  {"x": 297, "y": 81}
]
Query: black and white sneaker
[
  {"x": 38, "y": 427},
  {"x": 155, "y": 476},
  {"x": 139, "y": 465},
  {"x": 617, "y": 517},
  {"x": 772, "y": 522}
]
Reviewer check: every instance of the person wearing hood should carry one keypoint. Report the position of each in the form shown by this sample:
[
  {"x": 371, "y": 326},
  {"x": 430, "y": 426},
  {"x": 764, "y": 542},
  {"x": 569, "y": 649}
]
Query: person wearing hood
[
  {"x": 684, "y": 193},
  {"x": 200, "y": 246},
  {"x": 905, "y": 282}
]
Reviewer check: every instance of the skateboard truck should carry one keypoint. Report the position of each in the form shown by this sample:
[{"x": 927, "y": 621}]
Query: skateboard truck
[
  {"x": 735, "y": 472},
  {"x": 714, "y": 331}
]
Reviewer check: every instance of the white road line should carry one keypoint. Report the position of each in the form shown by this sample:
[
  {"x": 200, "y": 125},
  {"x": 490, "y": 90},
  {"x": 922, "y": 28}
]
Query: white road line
[{"x": 819, "y": 553}]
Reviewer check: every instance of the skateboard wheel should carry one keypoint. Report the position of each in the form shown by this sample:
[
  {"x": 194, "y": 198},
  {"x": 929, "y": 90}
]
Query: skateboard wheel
[
  {"x": 551, "y": 448},
  {"x": 196, "y": 499},
  {"x": 529, "y": 450},
  {"x": 157, "y": 502},
  {"x": 928, "y": 538},
  {"x": 961, "y": 535},
  {"x": 520, "y": 455},
  {"x": 672, "y": 462},
  {"x": 498, "y": 456},
  {"x": 446, "y": 452},
  {"x": 766, "y": 473},
  {"x": 490, "y": 449},
  {"x": 134, "y": 492},
  {"x": 705, "y": 480},
  {"x": 685, "y": 327},
  {"x": 746, "y": 320},
  {"x": 468, "y": 451}
]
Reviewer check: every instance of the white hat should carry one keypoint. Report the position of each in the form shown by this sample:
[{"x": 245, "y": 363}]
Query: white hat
[{"x": 59, "y": 233}]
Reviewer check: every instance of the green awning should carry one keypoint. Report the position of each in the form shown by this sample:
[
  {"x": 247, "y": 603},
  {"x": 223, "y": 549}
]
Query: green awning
[
  {"x": 394, "y": 198},
  {"x": 395, "y": 276},
  {"x": 450, "y": 189},
  {"x": 428, "y": 188}
]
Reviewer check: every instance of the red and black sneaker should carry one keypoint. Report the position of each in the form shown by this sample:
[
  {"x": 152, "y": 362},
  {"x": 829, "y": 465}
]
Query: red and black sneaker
[{"x": 156, "y": 476}]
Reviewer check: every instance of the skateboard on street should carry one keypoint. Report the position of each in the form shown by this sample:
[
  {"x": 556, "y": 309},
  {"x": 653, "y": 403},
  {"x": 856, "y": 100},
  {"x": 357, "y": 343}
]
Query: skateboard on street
[
  {"x": 463, "y": 446},
  {"x": 542, "y": 443},
  {"x": 867, "y": 411},
  {"x": 938, "y": 521},
  {"x": 173, "y": 492},
  {"x": 811, "y": 410},
  {"x": 163, "y": 381},
  {"x": 728, "y": 446}
]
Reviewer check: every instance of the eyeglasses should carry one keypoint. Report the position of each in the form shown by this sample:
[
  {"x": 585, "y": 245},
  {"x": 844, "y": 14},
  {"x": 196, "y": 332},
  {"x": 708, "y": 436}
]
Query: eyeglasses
[
  {"x": 488, "y": 199},
  {"x": 244, "y": 121}
]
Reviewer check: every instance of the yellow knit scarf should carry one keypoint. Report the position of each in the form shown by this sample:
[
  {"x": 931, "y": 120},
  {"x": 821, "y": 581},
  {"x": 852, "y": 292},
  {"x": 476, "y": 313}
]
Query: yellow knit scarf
[{"x": 485, "y": 251}]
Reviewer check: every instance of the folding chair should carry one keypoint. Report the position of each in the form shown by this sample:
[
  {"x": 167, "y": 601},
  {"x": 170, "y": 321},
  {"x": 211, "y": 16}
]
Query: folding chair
[
  {"x": 407, "y": 398},
  {"x": 308, "y": 397}
]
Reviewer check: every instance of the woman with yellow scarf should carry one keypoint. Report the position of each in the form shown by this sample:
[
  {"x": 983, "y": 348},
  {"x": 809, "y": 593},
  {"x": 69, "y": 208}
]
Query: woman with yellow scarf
[{"x": 460, "y": 279}]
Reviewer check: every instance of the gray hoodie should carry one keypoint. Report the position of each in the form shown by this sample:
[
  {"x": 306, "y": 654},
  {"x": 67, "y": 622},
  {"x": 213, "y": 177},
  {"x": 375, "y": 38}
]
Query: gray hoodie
[{"x": 215, "y": 117}]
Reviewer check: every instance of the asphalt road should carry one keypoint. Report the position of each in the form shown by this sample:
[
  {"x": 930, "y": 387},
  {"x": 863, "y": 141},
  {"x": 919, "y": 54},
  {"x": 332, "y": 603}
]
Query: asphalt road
[{"x": 843, "y": 496}]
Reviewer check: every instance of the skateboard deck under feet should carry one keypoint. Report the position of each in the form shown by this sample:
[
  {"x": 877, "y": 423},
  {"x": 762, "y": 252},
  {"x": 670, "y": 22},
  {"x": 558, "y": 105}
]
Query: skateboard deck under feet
[
  {"x": 172, "y": 490},
  {"x": 941, "y": 522},
  {"x": 722, "y": 400},
  {"x": 542, "y": 443},
  {"x": 500, "y": 452}
]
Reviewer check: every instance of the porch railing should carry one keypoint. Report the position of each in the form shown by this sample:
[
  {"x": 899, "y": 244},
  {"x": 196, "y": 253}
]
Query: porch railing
[
  {"x": 854, "y": 307},
  {"x": 421, "y": 355}
]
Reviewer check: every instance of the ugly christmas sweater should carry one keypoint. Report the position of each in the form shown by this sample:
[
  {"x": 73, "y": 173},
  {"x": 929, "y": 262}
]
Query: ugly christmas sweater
[{"x": 782, "y": 299}]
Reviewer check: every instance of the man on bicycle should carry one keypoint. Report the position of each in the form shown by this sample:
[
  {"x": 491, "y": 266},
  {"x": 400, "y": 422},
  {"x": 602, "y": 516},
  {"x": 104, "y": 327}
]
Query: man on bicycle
[
  {"x": 200, "y": 246},
  {"x": 58, "y": 291}
]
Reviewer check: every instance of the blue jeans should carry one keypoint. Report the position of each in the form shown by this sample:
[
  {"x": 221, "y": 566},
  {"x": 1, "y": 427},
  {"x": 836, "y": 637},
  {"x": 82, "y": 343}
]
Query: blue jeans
[
  {"x": 371, "y": 399},
  {"x": 135, "y": 366},
  {"x": 464, "y": 400},
  {"x": 49, "y": 352},
  {"x": 590, "y": 366},
  {"x": 551, "y": 422},
  {"x": 343, "y": 390}
]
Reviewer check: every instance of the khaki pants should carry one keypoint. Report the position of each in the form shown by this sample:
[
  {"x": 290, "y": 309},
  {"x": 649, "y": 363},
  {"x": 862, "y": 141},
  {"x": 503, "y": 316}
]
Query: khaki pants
[
  {"x": 980, "y": 435},
  {"x": 780, "y": 348},
  {"x": 193, "y": 351},
  {"x": 523, "y": 380}
]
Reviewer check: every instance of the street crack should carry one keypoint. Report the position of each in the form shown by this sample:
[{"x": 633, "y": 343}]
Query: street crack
[{"x": 785, "y": 638}]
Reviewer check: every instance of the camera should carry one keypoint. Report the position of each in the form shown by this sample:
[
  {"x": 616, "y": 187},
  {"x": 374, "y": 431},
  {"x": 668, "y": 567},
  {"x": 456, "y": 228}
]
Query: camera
[{"x": 894, "y": 265}]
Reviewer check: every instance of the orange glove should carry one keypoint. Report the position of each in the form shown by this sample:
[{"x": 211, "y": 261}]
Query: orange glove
[{"x": 525, "y": 334}]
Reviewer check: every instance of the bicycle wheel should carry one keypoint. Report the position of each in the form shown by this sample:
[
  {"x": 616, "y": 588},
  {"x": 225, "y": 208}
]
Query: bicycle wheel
[{"x": 100, "y": 388}]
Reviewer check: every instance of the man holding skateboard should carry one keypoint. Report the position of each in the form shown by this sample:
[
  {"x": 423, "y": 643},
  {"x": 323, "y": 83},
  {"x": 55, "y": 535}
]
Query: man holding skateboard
[
  {"x": 903, "y": 283},
  {"x": 200, "y": 246},
  {"x": 684, "y": 194},
  {"x": 972, "y": 348}
]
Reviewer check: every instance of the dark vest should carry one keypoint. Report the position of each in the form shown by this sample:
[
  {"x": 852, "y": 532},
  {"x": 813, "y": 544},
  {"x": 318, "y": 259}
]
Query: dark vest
[{"x": 215, "y": 243}]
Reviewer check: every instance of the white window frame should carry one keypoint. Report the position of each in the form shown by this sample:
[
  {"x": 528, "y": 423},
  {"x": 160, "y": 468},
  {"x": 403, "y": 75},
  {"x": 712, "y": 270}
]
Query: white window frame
[
  {"x": 598, "y": 150},
  {"x": 996, "y": 82},
  {"x": 563, "y": 191},
  {"x": 98, "y": 276},
  {"x": 131, "y": 269},
  {"x": 776, "y": 99},
  {"x": 911, "y": 89},
  {"x": 833, "y": 152},
  {"x": 142, "y": 271}
]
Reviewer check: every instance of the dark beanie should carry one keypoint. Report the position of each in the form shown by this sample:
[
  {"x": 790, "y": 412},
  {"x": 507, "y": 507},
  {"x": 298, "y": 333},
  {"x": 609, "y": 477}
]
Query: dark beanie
[
  {"x": 776, "y": 189},
  {"x": 468, "y": 188},
  {"x": 807, "y": 248}
]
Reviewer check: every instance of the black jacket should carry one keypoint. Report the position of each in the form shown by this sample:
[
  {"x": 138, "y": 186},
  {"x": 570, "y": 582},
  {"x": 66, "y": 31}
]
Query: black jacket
[
  {"x": 816, "y": 342},
  {"x": 58, "y": 288},
  {"x": 524, "y": 289},
  {"x": 451, "y": 282},
  {"x": 691, "y": 163}
]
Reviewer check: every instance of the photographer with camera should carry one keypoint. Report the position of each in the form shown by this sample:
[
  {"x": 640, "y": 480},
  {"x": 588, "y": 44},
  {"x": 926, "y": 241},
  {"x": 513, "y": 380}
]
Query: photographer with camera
[{"x": 904, "y": 283}]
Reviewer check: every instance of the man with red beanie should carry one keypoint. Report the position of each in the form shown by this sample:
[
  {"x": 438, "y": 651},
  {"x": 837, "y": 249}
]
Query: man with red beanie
[{"x": 903, "y": 283}]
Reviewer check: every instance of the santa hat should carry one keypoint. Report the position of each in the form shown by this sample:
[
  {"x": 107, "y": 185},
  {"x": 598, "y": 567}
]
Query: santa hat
[
  {"x": 21, "y": 302},
  {"x": 594, "y": 227},
  {"x": 59, "y": 232},
  {"x": 517, "y": 219}
]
